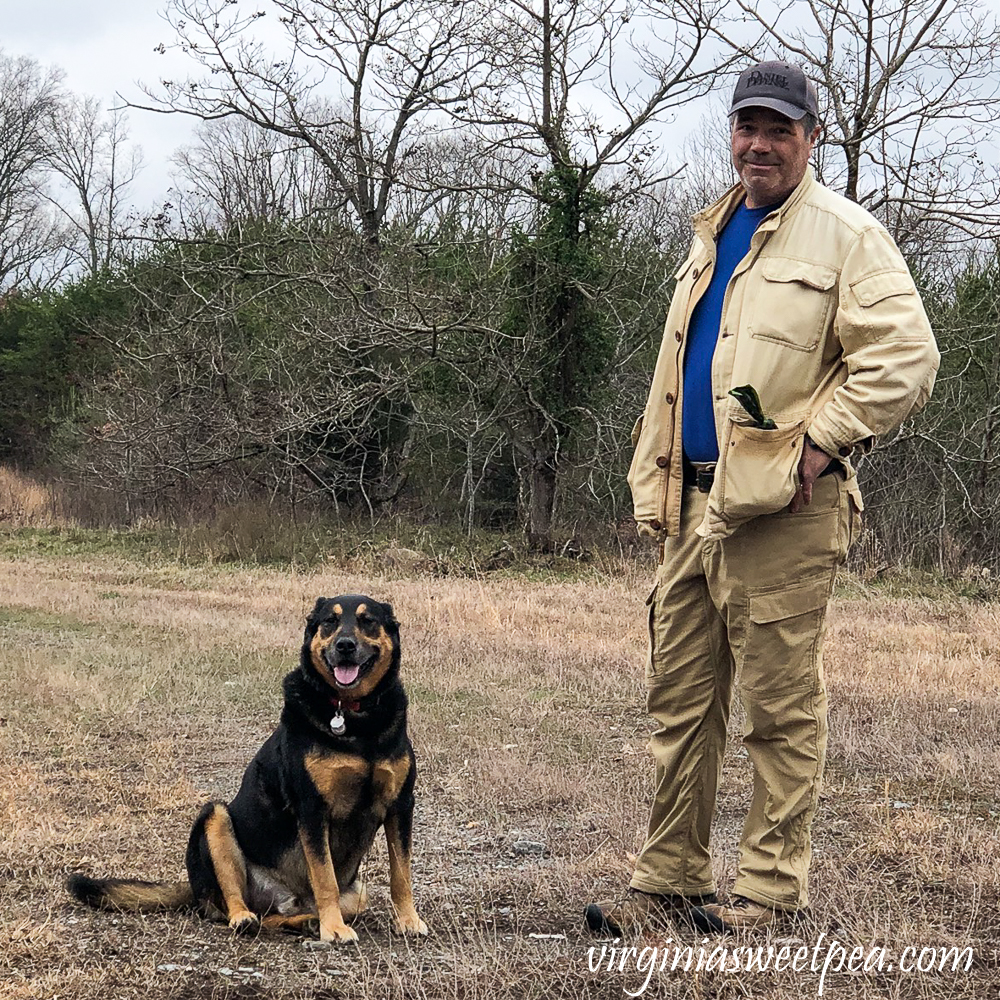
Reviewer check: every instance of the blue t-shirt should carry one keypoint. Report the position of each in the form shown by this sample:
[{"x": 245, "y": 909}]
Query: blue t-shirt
[{"x": 698, "y": 415}]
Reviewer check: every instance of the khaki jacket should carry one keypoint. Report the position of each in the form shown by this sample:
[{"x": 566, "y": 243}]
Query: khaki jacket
[{"x": 823, "y": 319}]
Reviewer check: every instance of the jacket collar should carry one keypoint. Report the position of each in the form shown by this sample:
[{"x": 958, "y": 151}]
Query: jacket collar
[{"x": 709, "y": 222}]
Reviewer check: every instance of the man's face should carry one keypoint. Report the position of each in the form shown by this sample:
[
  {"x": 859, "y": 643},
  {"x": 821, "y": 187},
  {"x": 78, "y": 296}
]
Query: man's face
[{"x": 770, "y": 154}]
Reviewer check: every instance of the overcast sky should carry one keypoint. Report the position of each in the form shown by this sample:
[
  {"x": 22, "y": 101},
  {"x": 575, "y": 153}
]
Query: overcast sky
[{"x": 106, "y": 48}]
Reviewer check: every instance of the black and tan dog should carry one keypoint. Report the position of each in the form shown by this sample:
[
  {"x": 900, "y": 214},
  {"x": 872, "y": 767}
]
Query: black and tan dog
[{"x": 285, "y": 853}]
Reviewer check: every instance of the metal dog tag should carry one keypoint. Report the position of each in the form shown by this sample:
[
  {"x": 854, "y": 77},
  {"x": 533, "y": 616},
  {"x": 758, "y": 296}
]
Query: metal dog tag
[{"x": 337, "y": 725}]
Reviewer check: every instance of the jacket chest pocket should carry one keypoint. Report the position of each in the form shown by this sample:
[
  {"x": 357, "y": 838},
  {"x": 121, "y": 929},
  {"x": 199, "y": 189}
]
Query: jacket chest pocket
[{"x": 793, "y": 302}]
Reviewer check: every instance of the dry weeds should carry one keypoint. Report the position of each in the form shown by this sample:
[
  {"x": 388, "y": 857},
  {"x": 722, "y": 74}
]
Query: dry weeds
[
  {"x": 25, "y": 501},
  {"x": 133, "y": 692}
]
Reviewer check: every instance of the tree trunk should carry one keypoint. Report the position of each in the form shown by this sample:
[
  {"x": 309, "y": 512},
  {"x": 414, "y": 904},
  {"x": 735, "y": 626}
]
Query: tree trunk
[{"x": 541, "y": 476}]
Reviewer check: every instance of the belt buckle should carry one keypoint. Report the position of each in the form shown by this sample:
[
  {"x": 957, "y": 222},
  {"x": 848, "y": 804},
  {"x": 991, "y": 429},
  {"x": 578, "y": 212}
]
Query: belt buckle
[{"x": 706, "y": 476}]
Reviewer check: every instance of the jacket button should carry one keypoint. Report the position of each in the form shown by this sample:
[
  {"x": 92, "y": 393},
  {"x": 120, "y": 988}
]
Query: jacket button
[
  {"x": 662, "y": 461},
  {"x": 655, "y": 525},
  {"x": 678, "y": 336},
  {"x": 669, "y": 398},
  {"x": 694, "y": 274}
]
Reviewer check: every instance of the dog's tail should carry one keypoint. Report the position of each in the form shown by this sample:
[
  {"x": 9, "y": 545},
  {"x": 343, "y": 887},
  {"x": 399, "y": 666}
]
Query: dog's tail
[{"x": 130, "y": 895}]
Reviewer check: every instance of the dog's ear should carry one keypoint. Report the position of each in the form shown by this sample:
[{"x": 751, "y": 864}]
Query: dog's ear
[
  {"x": 314, "y": 615},
  {"x": 390, "y": 617}
]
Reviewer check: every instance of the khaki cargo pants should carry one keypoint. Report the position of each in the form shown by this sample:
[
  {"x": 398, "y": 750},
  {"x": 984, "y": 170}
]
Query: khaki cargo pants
[{"x": 752, "y": 606}]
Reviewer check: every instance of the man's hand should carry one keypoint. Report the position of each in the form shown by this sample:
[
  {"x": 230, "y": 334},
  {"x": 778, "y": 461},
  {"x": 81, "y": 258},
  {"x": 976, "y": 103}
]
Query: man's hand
[{"x": 813, "y": 461}]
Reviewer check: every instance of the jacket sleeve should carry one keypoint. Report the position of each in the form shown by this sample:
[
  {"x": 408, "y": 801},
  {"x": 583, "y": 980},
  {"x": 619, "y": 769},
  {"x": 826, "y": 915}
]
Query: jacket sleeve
[{"x": 886, "y": 343}]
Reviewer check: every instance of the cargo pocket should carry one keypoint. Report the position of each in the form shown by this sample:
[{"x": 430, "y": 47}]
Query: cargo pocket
[
  {"x": 794, "y": 302},
  {"x": 782, "y": 639},
  {"x": 760, "y": 469}
]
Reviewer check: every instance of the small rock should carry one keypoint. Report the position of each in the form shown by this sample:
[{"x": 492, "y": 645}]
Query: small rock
[{"x": 528, "y": 847}]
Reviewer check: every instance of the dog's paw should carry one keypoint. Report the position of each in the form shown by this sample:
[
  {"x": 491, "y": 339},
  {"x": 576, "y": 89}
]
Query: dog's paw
[
  {"x": 410, "y": 923},
  {"x": 338, "y": 935},
  {"x": 244, "y": 922}
]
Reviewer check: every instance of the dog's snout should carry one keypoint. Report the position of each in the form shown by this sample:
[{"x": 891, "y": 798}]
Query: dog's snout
[{"x": 346, "y": 646}]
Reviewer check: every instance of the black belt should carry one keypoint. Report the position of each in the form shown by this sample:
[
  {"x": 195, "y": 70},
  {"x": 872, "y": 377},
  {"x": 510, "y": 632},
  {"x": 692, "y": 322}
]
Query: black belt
[{"x": 702, "y": 474}]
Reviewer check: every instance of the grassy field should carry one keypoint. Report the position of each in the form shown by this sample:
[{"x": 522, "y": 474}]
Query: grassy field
[{"x": 134, "y": 689}]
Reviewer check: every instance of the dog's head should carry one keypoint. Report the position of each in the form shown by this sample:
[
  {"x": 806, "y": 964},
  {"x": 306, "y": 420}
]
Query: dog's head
[{"x": 351, "y": 643}]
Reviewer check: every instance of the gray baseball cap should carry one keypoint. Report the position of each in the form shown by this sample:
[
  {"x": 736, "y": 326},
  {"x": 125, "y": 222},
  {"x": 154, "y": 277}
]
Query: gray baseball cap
[{"x": 779, "y": 86}]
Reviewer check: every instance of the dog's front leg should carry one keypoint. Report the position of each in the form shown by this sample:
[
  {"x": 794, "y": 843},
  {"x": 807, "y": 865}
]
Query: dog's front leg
[
  {"x": 398, "y": 830},
  {"x": 315, "y": 840}
]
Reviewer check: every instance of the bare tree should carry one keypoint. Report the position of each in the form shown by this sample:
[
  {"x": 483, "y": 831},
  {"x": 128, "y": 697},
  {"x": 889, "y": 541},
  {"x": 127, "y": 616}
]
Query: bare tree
[
  {"x": 356, "y": 83},
  {"x": 458, "y": 185},
  {"x": 30, "y": 238},
  {"x": 353, "y": 82},
  {"x": 583, "y": 81},
  {"x": 89, "y": 152},
  {"x": 235, "y": 172}
]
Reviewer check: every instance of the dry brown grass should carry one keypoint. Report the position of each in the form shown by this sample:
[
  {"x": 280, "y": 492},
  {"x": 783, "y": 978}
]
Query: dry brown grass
[
  {"x": 132, "y": 692},
  {"x": 26, "y": 502}
]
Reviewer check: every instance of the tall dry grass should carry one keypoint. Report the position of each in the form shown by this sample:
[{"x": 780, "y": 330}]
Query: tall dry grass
[
  {"x": 133, "y": 692},
  {"x": 26, "y": 502}
]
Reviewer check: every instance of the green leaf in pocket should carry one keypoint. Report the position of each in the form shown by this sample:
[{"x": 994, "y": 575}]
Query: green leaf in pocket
[{"x": 746, "y": 396}]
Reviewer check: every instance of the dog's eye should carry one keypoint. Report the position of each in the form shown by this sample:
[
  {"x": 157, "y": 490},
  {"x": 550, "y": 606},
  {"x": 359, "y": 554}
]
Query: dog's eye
[
  {"x": 366, "y": 622},
  {"x": 327, "y": 626}
]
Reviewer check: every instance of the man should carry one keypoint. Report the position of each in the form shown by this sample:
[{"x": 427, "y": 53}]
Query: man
[{"x": 799, "y": 300}]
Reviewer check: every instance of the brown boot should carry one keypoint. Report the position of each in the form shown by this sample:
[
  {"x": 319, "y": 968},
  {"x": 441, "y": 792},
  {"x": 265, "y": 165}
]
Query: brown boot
[
  {"x": 738, "y": 914},
  {"x": 638, "y": 910}
]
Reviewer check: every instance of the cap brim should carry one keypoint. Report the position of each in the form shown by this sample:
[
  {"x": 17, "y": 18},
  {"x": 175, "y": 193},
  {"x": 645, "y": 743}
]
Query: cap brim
[{"x": 782, "y": 107}]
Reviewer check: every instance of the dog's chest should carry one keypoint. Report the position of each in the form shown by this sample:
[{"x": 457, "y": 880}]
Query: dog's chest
[{"x": 349, "y": 784}]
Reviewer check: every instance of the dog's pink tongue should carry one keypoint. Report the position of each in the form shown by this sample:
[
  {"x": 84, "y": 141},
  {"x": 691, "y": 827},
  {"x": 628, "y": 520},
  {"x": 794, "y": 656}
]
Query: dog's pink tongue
[{"x": 346, "y": 675}]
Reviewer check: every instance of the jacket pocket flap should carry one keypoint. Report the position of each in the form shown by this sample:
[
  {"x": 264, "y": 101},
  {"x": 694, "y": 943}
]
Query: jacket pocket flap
[
  {"x": 784, "y": 420},
  {"x": 766, "y": 608},
  {"x": 876, "y": 287},
  {"x": 817, "y": 276}
]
